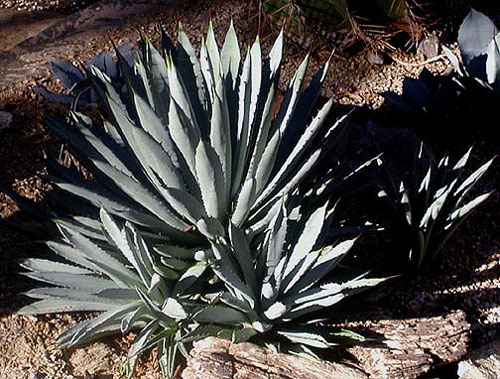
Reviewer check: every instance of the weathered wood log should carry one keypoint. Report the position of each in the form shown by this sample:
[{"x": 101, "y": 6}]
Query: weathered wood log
[
  {"x": 216, "y": 358},
  {"x": 404, "y": 349},
  {"x": 411, "y": 347}
]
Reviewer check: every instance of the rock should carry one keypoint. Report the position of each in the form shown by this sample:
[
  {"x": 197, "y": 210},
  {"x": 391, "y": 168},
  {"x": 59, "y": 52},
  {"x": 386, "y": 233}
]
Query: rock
[
  {"x": 92, "y": 359},
  {"x": 375, "y": 57},
  {"x": 429, "y": 46},
  {"x": 5, "y": 120},
  {"x": 483, "y": 363}
]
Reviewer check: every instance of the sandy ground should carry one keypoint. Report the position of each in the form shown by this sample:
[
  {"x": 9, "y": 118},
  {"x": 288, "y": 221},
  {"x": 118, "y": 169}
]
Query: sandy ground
[{"x": 467, "y": 278}]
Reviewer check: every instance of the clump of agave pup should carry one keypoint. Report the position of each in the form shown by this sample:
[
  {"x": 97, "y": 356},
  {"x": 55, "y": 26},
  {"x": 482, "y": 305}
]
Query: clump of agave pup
[{"x": 185, "y": 226}]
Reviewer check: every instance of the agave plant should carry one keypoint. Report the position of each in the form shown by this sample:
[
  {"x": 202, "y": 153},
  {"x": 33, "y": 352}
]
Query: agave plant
[
  {"x": 194, "y": 144},
  {"x": 124, "y": 280},
  {"x": 270, "y": 292},
  {"x": 429, "y": 206},
  {"x": 184, "y": 172},
  {"x": 479, "y": 43},
  {"x": 428, "y": 95},
  {"x": 76, "y": 82}
]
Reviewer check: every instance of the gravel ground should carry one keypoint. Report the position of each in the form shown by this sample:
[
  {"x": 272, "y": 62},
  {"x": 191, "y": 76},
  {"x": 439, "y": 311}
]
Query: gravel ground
[
  {"x": 45, "y": 5},
  {"x": 468, "y": 277}
]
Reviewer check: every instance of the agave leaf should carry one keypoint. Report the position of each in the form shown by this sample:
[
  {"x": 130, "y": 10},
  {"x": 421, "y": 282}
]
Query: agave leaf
[
  {"x": 276, "y": 310},
  {"x": 234, "y": 284},
  {"x": 326, "y": 296},
  {"x": 70, "y": 294},
  {"x": 244, "y": 202},
  {"x": 121, "y": 210},
  {"x": 463, "y": 161},
  {"x": 155, "y": 127},
  {"x": 141, "y": 253},
  {"x": 464, "y": 210},
  {"x": 210, "y": 178},
  {"x": 242, "y": 253},
  {"x": 118, "y": 236},
  {"x": 468, "y": 183},
  {"x": 219, "y": 314},
  {"x": 173, "y": 309},
  {"x": 140, "y": 71},
  {"x": 201, "y": 332},
  {"x": 175, "y": 263},
  {"x": 303, "y": 267},
  {"x": 165, "y": 333},
  {"x": 344, "y": 334},
  {"x": 297, "y": 151},
  {"x": 307, "y": 240},
  {"x": 193, "y": 78},
  {"x": 276, "y": 241},
  {"x": 328, "y": 258},
  {"x": 63, "y": 279},
  {"x": 250, "y": 84},
  {"x": 267, "y": 162},
  {"x": 108, "y": 322},
  {"x": 185, "y": 135},
  {"x": 154, "y": 309},
  {"x": 67, "y": 73},
  {"x": 188, "y": 278},
  {"x": 107, "y": 264},
  {"x": 230, "y": 56},
  {"x": 262, "y": 135},
  {"x": 240, "y": 305},
  {"x": 258, "y": 224},
  {"x": 63, "y": 305},
  {"x": 302, "y": 351},
  {"x": 220, "y": 139},
  {"x": 297, "y": 177},
  {"x": 148, "y": 199},
  {"x": 301, "y": 112},
  {"x": 182, "y": 100},
  {"x": 44, "y": 265},
  {"x": 87, "y": 226},
  {"x": 210, "y": 62},
  {"x": 475, "y": 34},
  {"x": 309, "y": 337},
  {"x": 185, "y": 204},
  {"x": 106, "y": 148},
  {"x": 138, "y": 344},
  {"x": 158, "y": 79},
  {"x": 290, "y": 98},
  {"x": 176, "y": 251}
]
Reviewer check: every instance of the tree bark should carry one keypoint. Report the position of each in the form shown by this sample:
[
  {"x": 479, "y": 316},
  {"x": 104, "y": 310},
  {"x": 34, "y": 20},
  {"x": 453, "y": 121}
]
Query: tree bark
[
  {"x": 403, "y": 349},
  {"x": 411, "y": 347},
  {"x": 215, "y": 358}
]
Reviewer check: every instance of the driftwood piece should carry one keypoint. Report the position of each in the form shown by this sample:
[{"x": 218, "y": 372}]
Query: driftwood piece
[
  {"x": 405, "y": 349},
  {"x": 216, "y": 358},
  {"x": 412, "y": 347}
]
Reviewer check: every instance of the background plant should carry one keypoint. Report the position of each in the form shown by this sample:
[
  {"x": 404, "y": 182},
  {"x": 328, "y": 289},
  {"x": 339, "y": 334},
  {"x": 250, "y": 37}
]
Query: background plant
[
  {"x": 479, "y": 43},
  {"x": 76, "y": 82},
  {"x": 429, "y": 204}
]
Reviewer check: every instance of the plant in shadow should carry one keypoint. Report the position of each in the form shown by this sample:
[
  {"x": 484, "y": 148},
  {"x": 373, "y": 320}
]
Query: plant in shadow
[
  {"x": 428, "y": 205},
  {"x": 77, "y": 83},
  {"x": 479, "y": 43}
]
